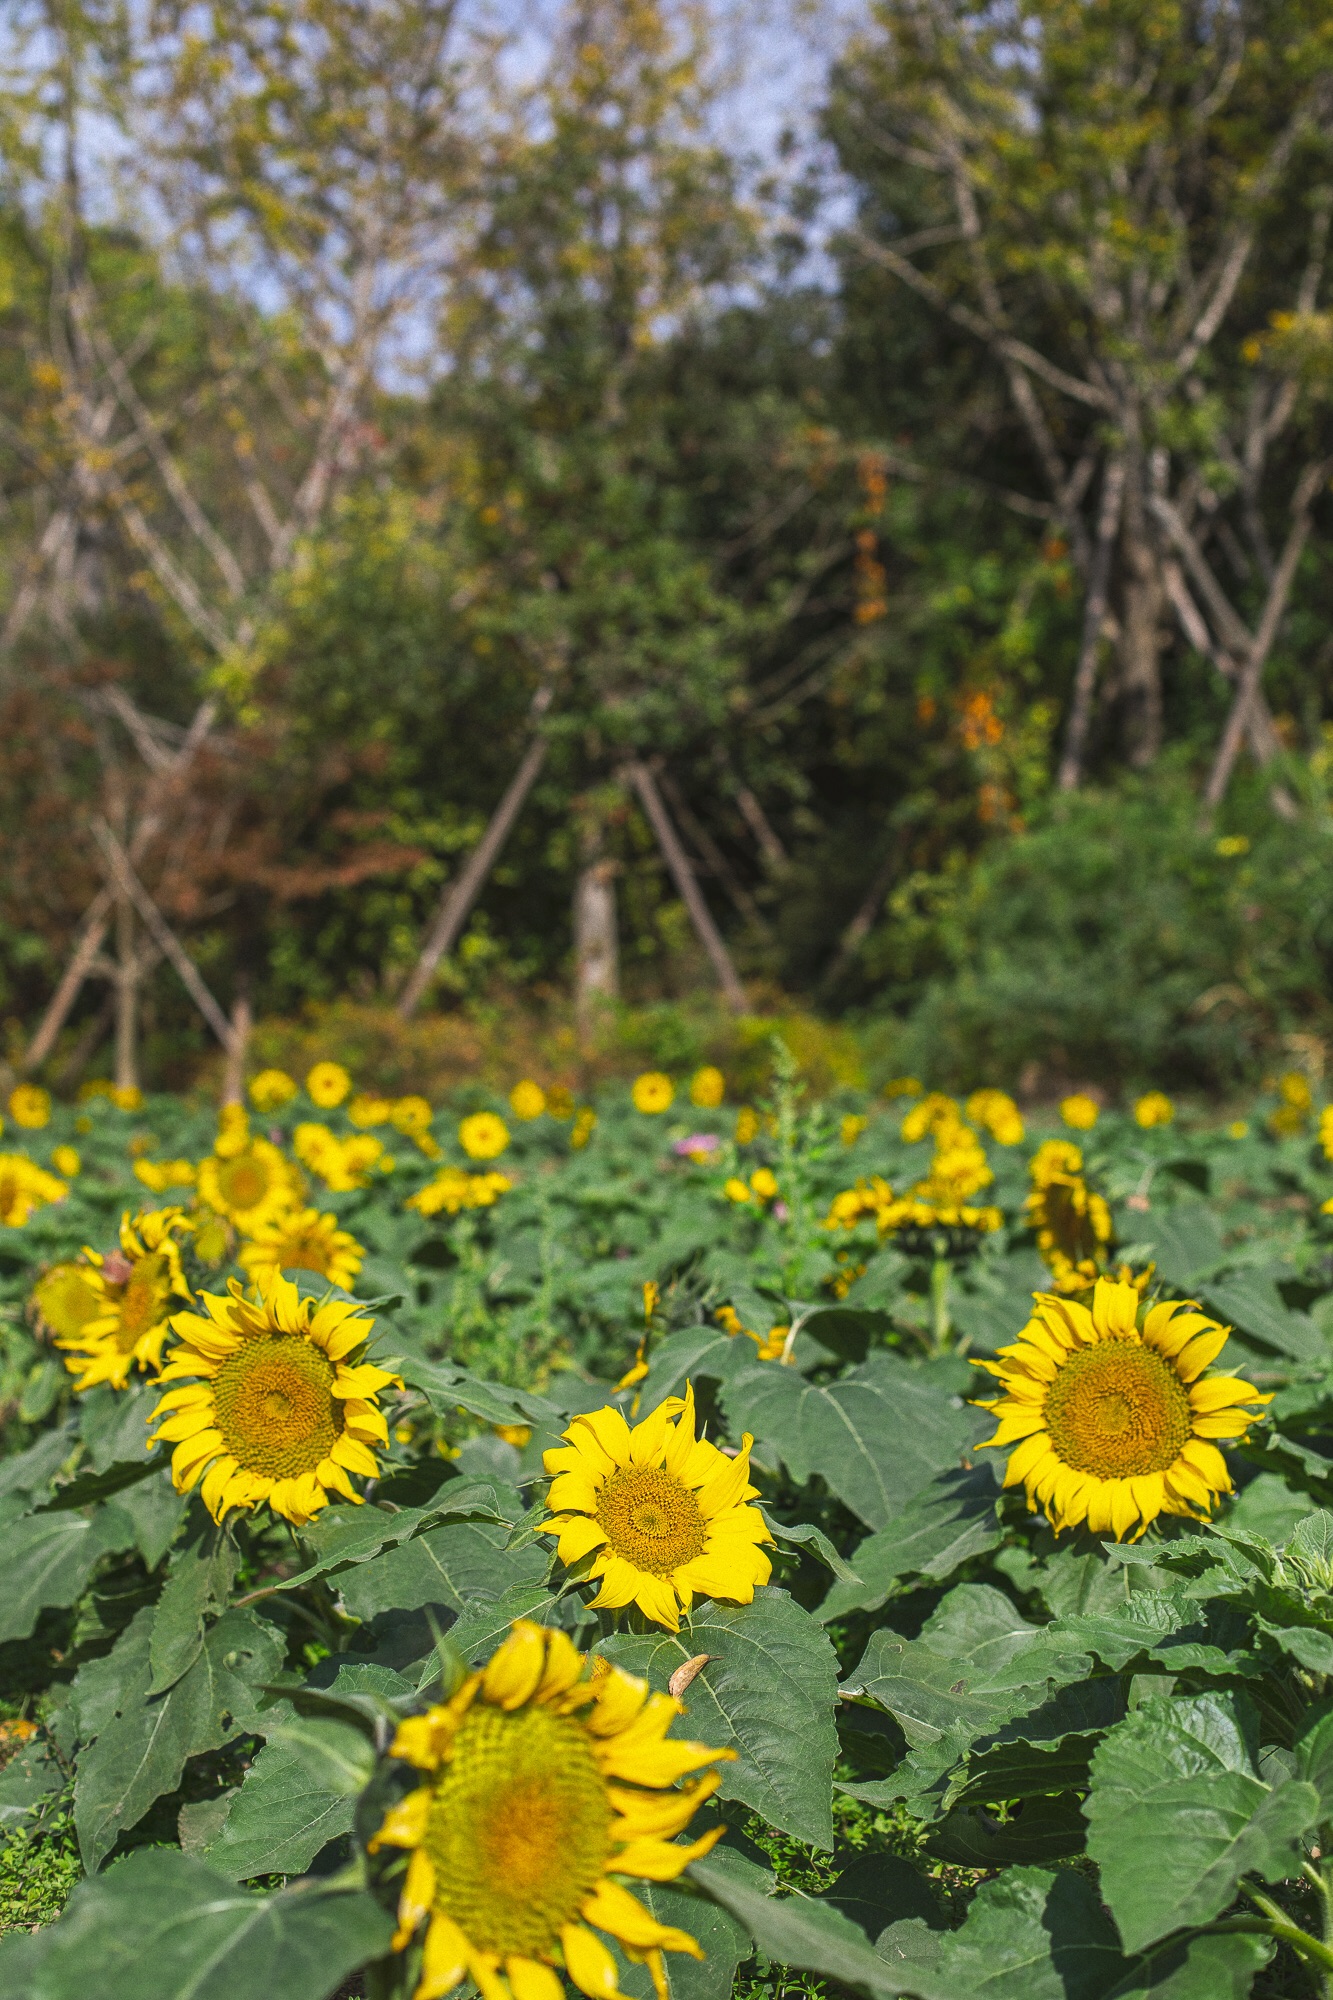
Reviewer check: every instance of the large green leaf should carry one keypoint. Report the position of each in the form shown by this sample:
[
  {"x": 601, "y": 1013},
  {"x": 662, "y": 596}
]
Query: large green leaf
[
  {"x": 198, "y": 1580},
  {"x": 346, "y": 1535},
  {"x": 1201, "y": 1968},
  {"x": 949, "y": 1520},
  {"x": 141, "y": 1748},
  {"x": 1177, "y": 1814},
  {"x": 876, "y": 1436},
  {"x": 460, "y": 1561},
  {"x": 449, "y": 1389},
  {"x": 723, "y": 1941},
  {"x": 50, "y": 1557},
  {"x": 699, "y": 1353},
  {"x": 299, "y": 1794},
  {"x": 800, "y": 1931},
  {"x": 1029, "y": 1935},
  {"x": 164, "y": 1926},
  {"x": 1252, "y": 1303},
  {"x": 768, "y": 1691}
]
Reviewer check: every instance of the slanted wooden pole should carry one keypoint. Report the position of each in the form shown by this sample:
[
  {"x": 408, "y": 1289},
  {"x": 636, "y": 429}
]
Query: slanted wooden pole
[
  {"x": 678, "y": 861},
  {"x": 161, "y": 932},
  {"x": 457, "y": 900}
]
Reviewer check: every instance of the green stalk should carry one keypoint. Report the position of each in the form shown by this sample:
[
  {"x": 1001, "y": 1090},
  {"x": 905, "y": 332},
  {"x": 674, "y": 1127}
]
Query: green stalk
[
  {"x": 1317, "y": 1952},
  {"x": 940, "y": 1327}
]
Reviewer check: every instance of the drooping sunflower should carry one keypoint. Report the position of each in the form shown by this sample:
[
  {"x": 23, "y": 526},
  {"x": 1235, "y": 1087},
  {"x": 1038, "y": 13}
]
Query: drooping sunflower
[
  {"x": 271, "y": 1089},
  {"x": 303, "y": 1240},
  {"x": 275, "y": 1407},
  {"x": 1110, "y": 1412},
  {"x": 544, "y": 1783},
  {"x": 24, "y": 1186},
  {"x": 134, "y": 1288},
  {"x": 664, "y": 1515},
  {"x": 1071, "y": 1222},
  {"x": 65, "y": 1298},
  {"x": 251, "y": 1187}
]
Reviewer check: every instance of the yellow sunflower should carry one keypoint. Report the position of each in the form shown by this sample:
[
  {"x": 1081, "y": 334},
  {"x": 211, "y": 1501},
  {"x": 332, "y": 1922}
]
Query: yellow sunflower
[
  {"x": 327, "y": 1084},
  {"x": 65, "y": 1298},
  {"x": 653, "y": 1092},
  {"x": 483, "y": 1136},
  {"x": 527, "y": 1100},
  {"x": 271, "y": 1089},
  {"x": 30, "y": 1105},
  {"x": 275, "y": 1408},
  {"x": 250, "y": 1188},
  {"x": 303, "y": 1240},
  {"x": 25, "y": 1187},
  {"x": 544, "y": 1783},
  {"x": 1113, "y": 1420},
  {"x": 134, "y": 1288},
  {"x": 708, "y": 1087},
  {"x": 1154, "y": 1108},
  {"x": 1071, "y": 1223},
  {"x": 662, "y": 1514}
]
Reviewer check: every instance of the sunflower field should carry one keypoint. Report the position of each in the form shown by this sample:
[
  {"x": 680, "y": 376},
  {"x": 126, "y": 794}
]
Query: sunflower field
[{"x": 665, "y": 1547}]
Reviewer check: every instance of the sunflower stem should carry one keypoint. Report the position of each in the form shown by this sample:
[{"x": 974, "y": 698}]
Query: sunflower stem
[
  {"x": 940, "y": 1328},
  {"x": 1315, "y": 1951}
]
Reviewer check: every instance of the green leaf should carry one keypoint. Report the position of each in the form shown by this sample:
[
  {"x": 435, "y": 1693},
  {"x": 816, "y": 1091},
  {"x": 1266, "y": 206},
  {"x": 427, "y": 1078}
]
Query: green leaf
[
  {"x": 27, "y": 1781},
  {"x": 876, "y": 1436},
  {"x": 1314, "y": 1755},
  {"x": 449, "y": 1389},
  {"x": 164, "y": 1926},
  {"x": 698, "y": 1354},
  {"x": 951, "y": 1519},
  {"x": 1186, "y": 1241},
  {"x": 142, "y": 1747},
  {"x": 1029, "y": 1935},
  {"x": 881, "y": 1889},
  {"x": 801, "y": 1535},
  {"x": 1177, "y": 1815},
  {"x": 299, "y": 1794},
  {"x": 483, "y": 1621},
  {"x": 156, "y": 1510},
  {"x": 768, "y": 1691},
  {"x": 723, "y": 1940},
  {"x": 50, "y": 1557},
  {"x": 1040, "y": 1831},
  {"x": 346, "y": 1535},
  {"x": 1254, "y": 1305},
  {"x": 32, "y": 1471},
  {"x": 446, "y": 1565},
  {"x": 199, "y": 1580},
  {"x": 847, "y": 1331},
  {"x": 1201, "y": 1968},
  {"x": 114, "y": 1423},
  {"x": 799, "y": 1931}
]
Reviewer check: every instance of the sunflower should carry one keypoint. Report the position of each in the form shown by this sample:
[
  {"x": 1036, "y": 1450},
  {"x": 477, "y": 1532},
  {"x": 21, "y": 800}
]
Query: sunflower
[
  {"x": 303, "y": 1240},
  {"x": 653, "y": 1092},
  {"x": 1114, "y": 1420},
  {"x": 251, "y": 1187},
  {"x": 65, "y": 1298},
  {"x": 1080, "y": 1111},
  {"x": 708, "y": 1087},
  {"x": 543, "y": 1784},
  {"x": 665, "y": 1515},
  {"x": 527, "y": 1100},
  {"x": 134, "y": 1288},
  {"x": 1071, "y": 1223},
  {"x": 483, "y": 1136},
  {"x": 274, "y": 1406},
  {"x": 1155, "y": 1108},
  {"x": 412, "y": 1117},
  {"x": 30, "y": 1106},
  {"x": 24, "y": 1187},
  {"x": 271, "y": 1089},
  {"x": 327, "y": 1084}
]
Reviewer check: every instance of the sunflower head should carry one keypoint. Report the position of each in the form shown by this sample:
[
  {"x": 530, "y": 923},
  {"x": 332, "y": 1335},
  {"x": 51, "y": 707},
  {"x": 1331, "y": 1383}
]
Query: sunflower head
[
  {"x": 277, "y": 1405},
  {"x": 327, "y": 1084},
  {"x": 708, "y": 1087},
  {"x": 1072, "y": 1223},
  {"x": 303, "y": 1240},
  {"x": 653, "y": 1092},
  {"x": 30, "y": 1106},
  {"x": 271, "y": 1089},
  {"x": 1110, "y": 1412},
  {"x": 483, "y": 1136},
  {"x": 134, "y": 1289},
  {"x": 527, "y": 1100},
  {"x": 24, "y": 1187},
  {"x": 661, "y": 1513},
  {"x": 541, "y": 1784},
  {"x": 250, "y": 1187}
]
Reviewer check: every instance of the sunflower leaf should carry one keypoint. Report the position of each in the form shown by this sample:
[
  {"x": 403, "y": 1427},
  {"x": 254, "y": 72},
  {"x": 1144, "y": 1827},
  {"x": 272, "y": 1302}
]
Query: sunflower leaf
[
  {"x": 448, "y": 1565},
  {"x": 1185, "y": 1764},
  {"x": 50, "y": 1557},
  {"x": 299, "y": 1794},
  {"x": 144, "y": 1740},
  {"x": 767, "y": 1692},
  {"x": 199, "y": 1580},
  {"x": 949, "y": 1520},
  {"x": 876, "y": 1436},
  {"x": 813, "y": 1936},
  {"x": 164, "y": 1926}
]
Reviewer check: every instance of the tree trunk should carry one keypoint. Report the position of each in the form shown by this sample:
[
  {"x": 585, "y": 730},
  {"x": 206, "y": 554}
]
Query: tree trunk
[
  {"x": 127, "y": 997},
  {"x": 1141, "y": 635},
  {"x": 596, "y": 945}
]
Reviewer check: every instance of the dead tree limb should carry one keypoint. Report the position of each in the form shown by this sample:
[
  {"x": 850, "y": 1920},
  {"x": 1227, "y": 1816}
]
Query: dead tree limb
[
  {"x": 161, "y": 932},
  {"x": 684, "y": 877},
  {"x": 1094, "y": 612}
]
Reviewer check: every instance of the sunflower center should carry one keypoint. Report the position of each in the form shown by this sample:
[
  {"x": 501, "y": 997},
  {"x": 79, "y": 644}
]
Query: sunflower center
[
  {"x": 275, "y": 1408},
  {"x": 651, "y": 1519},
  {"x": 244, "y": 1181},
  {"x": 519, "y": 1829},
  {"x": 140, "y": 1305},
  {"x": 1118, "y": 1410}
]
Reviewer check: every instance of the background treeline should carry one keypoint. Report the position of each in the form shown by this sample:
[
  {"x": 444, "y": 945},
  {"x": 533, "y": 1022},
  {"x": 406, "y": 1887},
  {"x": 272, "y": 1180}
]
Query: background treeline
[{"x": 927, "y": 526}]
